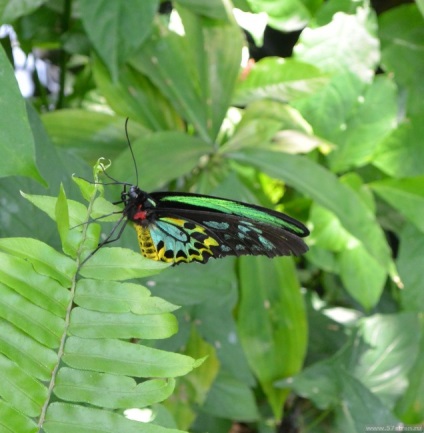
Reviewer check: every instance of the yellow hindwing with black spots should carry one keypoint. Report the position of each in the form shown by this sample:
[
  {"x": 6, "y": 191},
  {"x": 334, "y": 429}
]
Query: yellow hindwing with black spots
[{"x": 175, "y": 240}]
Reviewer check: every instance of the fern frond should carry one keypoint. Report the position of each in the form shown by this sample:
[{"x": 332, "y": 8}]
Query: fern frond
[{"x": 70, "y": 352}]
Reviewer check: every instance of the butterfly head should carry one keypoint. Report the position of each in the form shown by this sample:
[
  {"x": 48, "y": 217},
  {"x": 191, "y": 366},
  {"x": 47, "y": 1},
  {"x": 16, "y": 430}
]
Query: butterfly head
[{"x": 138, "y": 205}]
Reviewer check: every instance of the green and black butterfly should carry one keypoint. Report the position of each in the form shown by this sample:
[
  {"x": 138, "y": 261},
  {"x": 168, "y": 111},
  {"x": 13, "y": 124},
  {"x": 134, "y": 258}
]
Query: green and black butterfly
[{"x": 177, "y": 227}]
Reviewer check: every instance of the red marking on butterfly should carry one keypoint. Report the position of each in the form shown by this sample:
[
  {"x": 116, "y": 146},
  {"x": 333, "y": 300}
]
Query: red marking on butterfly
[{"x": 140, "y": 214}]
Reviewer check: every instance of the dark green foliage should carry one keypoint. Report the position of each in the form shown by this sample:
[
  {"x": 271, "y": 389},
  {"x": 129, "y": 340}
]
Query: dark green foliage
[{"x": 329, "y": 341}]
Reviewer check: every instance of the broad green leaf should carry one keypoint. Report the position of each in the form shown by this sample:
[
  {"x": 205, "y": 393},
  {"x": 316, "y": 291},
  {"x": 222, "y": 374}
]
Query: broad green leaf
[
  {"x": 156, "y": 157},
  {"x": 321, "y": 185},
  {"x": 215, "y": 9},
  {"x": 365, "y": 127},
  {"x": 272, "y": 125},
  {"x": 328, "y": 231},
  {"x": 399, "y": 155},
  {"x": 359, "y": 408},
  {"x": 344, "y": 113},
  {"x": 345, "y": 44},
  {"x": 231, "y": 398},
  {"x": 110, "y": 391},
  {"x": 16, "y": 140},
  {"x": 287, "y": 16},
  {"x": 20, "y": 389},
  {"x": 409, "y": 262},
  {"x": 217, "y": 62},
  {"x": 271, "y": 323},
  {"x": 329, "y": 109},
  {"x": 220, "y": 330},
  {"x": 401, "y": 34},
  {"x": 278, "y": 79},
  {"x": 69, "y": 418},
  {"x": 410, "y": 406},
  {"x": 197, "y": 81},
  {"x": 129, "y": 24},
  {"x": 196, "y": 285},
  {"x": 117, "y": 264},
  {"x": 17, "y": 215},
  {"x": 405, "y": 195},
  {"x": 12, "y": 10},
  {"x": 330, "y": 386},
  {"x": 90, "y": 134},
  {"x": 95, "y": 324},
  {"x": 195, "y": 386},
  {"x": 114, "y": 297},
  {"x": 143, "y": 103},
  {"x": 392, "y": 347},
  {"x": 125, "y": 358},
  {"x": 44, "y": 258},
  {"x": 366, "y": 286}
]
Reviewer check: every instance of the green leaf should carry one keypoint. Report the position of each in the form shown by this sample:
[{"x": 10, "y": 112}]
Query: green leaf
[
  {"x": 392, "y": 342},
  {"x": 26, "y": 392},
  {"x": 16, "y": 140},
  {"x": 12, "y": 10},
  {"x": 279, "y": 79},
  {"x": 156, "y": 156},
  {"x": 197, "y": 82},
  {"x": 330, "y": 386},
  {"x": 272, "y": 323},
  {"x": 94, "y": 324},
  {"x": 124, "y": 358},
  {"x": 116, "y": 297},
  {"x": 129, "y": 23},
  {"x": 62, "y": 220},
  {"x": 13, "y": 420},
  {"x": 44, "y": 258},
  {"x": 409, "y": 406},
  {"x": 345, "y": 44},
  {"x": 409, "y": 261},
  {"x": 325, "y": 189},
  {"x": 367, "y": 285},
  {"x": 33, "y": 357},
  {"x": 90, "y": 134},
  {"x": 117, "y": 264},
  {"x": 69, "y": 418},
  {"x": 110, "y": 391},
  {"x": 77, "y": 211},
  {"x": 213, "y": 8},
  {"x": 40, "y": 290},
  {"x": 401, "y": 36},
  {"x": 39, "y": 324},
  {"x": 230, "y": 398},
  {"x": 399, "y": 155},
  {"x": 287, "y": 16},
  {"x": 405, "y": 195},
  {"x": 144, "y": 103},
  {"x": 359, "y": 136}
]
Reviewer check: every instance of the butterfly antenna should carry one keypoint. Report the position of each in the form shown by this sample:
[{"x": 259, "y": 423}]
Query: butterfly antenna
[{"x": 131, "y": 149}]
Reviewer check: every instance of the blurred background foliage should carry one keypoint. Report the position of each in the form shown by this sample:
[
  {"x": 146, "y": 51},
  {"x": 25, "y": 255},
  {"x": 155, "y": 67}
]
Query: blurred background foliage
[{"x": 311, "y": 107}]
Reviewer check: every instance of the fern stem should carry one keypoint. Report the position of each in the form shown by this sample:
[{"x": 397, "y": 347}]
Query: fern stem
[{"x": 64, "y": 336}]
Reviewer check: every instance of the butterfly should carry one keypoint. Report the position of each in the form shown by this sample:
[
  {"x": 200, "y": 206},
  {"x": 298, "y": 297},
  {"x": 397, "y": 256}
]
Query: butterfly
[{"x": 177, "y": 227}]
